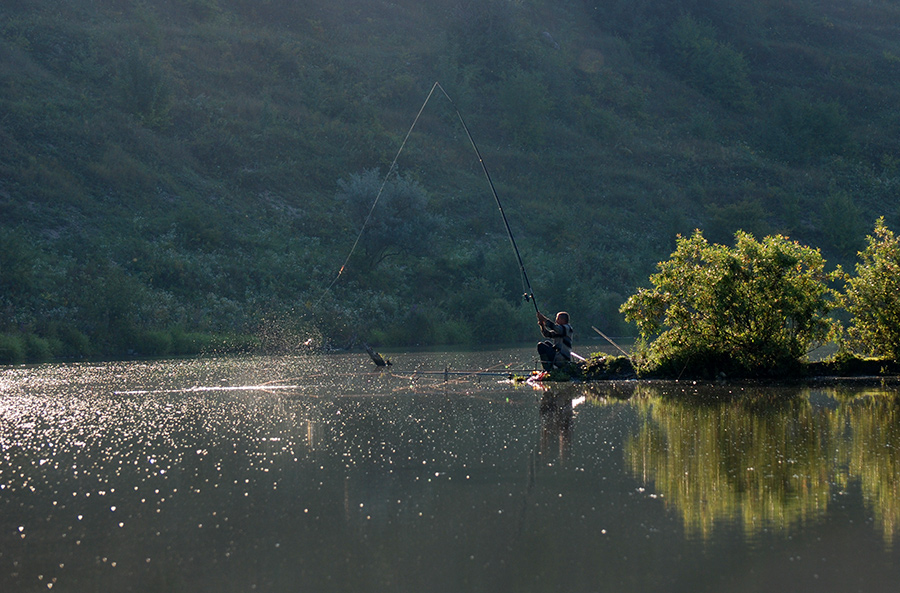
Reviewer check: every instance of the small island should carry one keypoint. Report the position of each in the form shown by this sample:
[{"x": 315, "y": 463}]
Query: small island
[
  {"x": 607, "y": 367},
  {"x": 754, "y": 311}
]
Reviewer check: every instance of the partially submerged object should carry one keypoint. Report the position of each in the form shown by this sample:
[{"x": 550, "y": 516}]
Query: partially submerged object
[{"x": 377, "y": 358}]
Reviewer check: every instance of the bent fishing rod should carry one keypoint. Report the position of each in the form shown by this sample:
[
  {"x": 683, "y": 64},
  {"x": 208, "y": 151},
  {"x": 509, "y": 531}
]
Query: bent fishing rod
[
  {"x": 526, "y": 284},
  {"x": 529, "y": 292}
]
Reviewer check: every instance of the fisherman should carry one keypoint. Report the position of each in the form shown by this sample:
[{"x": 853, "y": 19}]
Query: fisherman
[{"x": 556, "y": 351}]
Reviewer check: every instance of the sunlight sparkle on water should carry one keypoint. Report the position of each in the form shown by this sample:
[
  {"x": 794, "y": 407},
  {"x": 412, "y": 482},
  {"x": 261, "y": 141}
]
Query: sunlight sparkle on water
[{"x": 234, "y": 474}]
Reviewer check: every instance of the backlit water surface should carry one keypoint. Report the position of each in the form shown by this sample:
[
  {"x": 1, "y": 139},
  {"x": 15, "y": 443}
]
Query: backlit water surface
[{"x": 318, "y": 473}]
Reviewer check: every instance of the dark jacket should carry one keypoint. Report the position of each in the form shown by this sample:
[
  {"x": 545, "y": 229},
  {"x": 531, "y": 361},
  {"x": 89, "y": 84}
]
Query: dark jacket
[{"x": 561, "y": 336}]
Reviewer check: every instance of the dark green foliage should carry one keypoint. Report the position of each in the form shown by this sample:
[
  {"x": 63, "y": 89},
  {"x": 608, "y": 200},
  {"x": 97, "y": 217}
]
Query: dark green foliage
[
  {"x": 846, "y": 364},
  {"x": 12, "y": 349},
  {"x": 37, "y": 348},
  {"x": 484, "y": 35},
  {"x": 755, "y": 308},
  {"x": 803, "y": 128},
  {"x": 143, "y": 89},
  {"x": 842, "y": 223},
  {"x": 173, "y": 164},
  {"x": 525, "y": 104},
  {"x": 606, "y": 367},
  {"x": 397, "y": 223},
  {"x": 72, "y": 342},
  {"x": 18, "y": 258},
  {"x": 639, "y": 21},
  {"x": 747, "y": 215},
  {"x": 711, "y": 66},
  {"x": 872, "y": 297}
]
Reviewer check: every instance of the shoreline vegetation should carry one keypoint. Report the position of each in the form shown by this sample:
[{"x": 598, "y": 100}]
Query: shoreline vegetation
[
  {"x": 607, "y": 367},
  {"x": 19, "y": 348},
  {"x": 751, "y": 311},
  {"x": 187, "y": 177}
]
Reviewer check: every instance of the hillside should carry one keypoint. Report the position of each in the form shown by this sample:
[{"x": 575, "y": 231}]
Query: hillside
[{"x": 180, "y": 169}]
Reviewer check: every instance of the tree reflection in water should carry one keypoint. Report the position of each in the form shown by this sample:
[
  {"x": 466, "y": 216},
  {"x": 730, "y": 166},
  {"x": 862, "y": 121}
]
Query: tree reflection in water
[
  {"x": 874, "y": 455},
  {"x": 766, "y": 458}
]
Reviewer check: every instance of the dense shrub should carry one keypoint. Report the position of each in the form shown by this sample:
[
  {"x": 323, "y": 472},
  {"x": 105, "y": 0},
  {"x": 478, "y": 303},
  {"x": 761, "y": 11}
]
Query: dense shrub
[
  {"x": 399, "y": 224},
  {"x": 11, "y": 349},
  {"x": 72, "y": 342},
  {"x": 873, "y": 296},
  {"x": 803, "y": 128},
  {"x": 38, "y": 348},
  {"x": 709, "y": 65},
  {"x": 144, "y": 91},
  {"x": 756, "y": 307}
]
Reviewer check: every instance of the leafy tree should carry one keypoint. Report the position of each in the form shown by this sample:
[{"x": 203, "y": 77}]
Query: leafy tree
[
  {"x": 873, "y": 296},
  {"x": 754, "y": 308},
  {"x": 397, "y": 223}
]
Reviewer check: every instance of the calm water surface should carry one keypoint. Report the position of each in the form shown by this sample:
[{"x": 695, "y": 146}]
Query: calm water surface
[{"x": 319, "y": 474}]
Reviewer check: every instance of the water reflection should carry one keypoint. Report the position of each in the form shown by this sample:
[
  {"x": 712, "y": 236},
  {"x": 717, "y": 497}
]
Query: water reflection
[
  {"x": 557, "y": 413},
  {"x": 264, "y": 473},
  {"x": 873, "y": 454},
  {"x": 765, "y": 458}
]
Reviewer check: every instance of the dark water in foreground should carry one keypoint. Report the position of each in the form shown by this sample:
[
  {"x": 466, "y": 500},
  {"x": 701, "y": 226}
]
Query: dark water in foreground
[{"x": 317, "y": 474}]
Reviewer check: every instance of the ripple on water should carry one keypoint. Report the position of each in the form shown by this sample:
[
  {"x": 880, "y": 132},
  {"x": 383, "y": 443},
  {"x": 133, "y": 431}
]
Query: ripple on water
[{"x": 262, "y": 473}]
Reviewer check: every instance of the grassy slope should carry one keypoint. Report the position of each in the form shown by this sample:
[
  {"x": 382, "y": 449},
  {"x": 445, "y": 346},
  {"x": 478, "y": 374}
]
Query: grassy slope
[{"x": 174, "y": 164}]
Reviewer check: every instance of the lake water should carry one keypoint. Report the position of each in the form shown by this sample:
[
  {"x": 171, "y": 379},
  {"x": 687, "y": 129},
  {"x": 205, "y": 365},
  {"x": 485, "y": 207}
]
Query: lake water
[{"x": 318, "y": 473}]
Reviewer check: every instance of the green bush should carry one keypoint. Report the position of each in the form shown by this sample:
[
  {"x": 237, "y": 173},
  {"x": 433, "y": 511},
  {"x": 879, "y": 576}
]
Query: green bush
[
  {"x": 144, "y": 90},
  {"x": 381, "y": 206},
  {"x": 188, "y": 342},
  {"x": 154, "y": 343},
  {"x": 73, "y": 343},
  {"x": 12, "y": 350},
  {"x": 37, "y": 349},
  {"x": 455, "y": 332},
  {"x": 805, "y": 128},
  {"x": 712, "y": 67},
  {"x": 873, "y": 297},
  {"x": 755, "y": 308}
]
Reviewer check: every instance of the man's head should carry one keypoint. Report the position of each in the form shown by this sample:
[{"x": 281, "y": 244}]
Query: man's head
[{"x": 562, "y": 318}]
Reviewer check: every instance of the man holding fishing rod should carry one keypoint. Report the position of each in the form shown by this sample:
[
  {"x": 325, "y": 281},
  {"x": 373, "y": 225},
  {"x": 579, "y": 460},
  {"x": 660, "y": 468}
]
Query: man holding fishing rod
[{"x": 557, "y": 350}]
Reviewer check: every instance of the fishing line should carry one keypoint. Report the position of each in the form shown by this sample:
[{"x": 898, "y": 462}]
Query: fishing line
[
  {"x": 391, "y": 169},
  {"x": 526, "y": 284}
]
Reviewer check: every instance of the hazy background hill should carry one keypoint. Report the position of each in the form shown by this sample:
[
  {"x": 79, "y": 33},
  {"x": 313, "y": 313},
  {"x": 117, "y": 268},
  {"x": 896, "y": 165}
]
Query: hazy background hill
[{"x": 175, "y": 169}]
